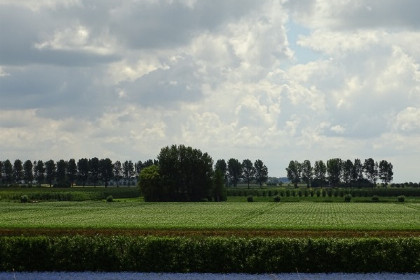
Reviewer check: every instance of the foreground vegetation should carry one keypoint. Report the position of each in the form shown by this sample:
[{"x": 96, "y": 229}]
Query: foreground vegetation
[
  {"x": 113, "y": 229},
  {"x": 211, "y": 254}
]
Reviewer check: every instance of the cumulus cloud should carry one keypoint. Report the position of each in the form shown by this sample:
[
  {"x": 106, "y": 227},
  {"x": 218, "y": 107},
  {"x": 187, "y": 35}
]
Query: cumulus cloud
[{"x": 124, "y": 78}]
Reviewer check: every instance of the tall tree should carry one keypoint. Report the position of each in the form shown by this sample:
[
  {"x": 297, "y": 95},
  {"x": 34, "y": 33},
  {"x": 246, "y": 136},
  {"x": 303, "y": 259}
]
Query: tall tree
[
  {"x": 248, "y": 171},
  {"x": 149, "y": 162},
  {"x": 307, "y": 172},
  {"x": 347, "y": 171},
  {"x": 50, "y": 171},
  {"x": 1, "y": 171},
  {"x": 219, "y": 191},
  {"x": 28, "y": 173},
  {"x": 385, "y": 171},
  {"x": 357, "y": 173},
  {"x": 39, "y": 169},
  {"x": 370, "y": 168},
  {"x": 83, "y": 170},
  {"x": 234, "y": 168},
  {"x": 186, "y": 173},
  {"x": 71, "y": 171},
  {"x": 128, "y": 171},
  {"x": 222, "y": 167},
  {"x": 294, "y": 172},
  {"x": 106, "y": 170},
  {"x": 61, "y": 172},
  {"x": 8, "y": 171},
  {"x": 261, "y": 172},
  {"x": 18, "y": 171},
  {"x": 117, "y": 170},
  {"x": 138, "y": 166},
  {"x": 94, "y": 170},
  {"x": 320, "y": 172},
  {"x": 150, "y": 183},
  {"x": 334, "y": 171}
]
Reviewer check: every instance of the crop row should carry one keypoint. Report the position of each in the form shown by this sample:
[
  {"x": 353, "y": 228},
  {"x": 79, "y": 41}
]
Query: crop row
[
  {"x": 326, "y": 192},
  {"x": 213, "y": 254},
  {"x": 228, "y": 215}
]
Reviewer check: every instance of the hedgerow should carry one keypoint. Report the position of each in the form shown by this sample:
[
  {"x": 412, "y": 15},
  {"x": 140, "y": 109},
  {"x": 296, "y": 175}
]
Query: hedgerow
[{"x": 212, "y": 254}]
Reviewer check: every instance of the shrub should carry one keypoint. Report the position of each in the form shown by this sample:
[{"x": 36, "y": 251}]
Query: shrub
[
  {"x": 347, "y": 198},
  {"x": 277, "y": 198},
  {"x": 24, "y": 198},
  {"x": 401, "y": 198},
  {"x": 209, "y": 255},
  {"x": 375, "y": 198},
  {"x": 250, "y": 198},
  {"x": 109, "y": 198},
  {"x": 287, "y": 193},
  {"x": 318, "y": 193}
]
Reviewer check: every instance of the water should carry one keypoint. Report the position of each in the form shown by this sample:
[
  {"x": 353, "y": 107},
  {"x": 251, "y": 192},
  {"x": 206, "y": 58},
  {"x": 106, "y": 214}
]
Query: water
[{"x": 201, "y": 276}]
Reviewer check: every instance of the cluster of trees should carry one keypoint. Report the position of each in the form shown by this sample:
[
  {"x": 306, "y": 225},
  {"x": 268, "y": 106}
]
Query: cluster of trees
[
  {"x": 235, "y": 171},
  {"x": 182, "y": 174},
  {"x": 338, "y": 172},
  {"x": 66, "y": 173},
  {"x": 186, "y": 174}
]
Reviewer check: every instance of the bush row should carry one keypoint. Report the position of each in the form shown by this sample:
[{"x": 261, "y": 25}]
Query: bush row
[
  {"x": 327, "y": 192},
  {"x": 213, "y": 254},
  {"x": 72, "y": 194}
]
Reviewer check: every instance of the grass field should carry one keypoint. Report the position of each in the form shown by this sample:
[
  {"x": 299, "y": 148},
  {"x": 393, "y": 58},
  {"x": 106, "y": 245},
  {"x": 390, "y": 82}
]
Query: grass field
[{"x": 209, "y": 216}]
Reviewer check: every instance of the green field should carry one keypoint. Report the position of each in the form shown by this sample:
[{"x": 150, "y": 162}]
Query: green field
[{"x": 202, "y": 216}]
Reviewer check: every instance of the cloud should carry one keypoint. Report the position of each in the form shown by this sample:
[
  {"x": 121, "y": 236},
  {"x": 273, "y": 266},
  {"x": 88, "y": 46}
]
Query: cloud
[
  {"x": 124, "y": 78},
  {"x": 407, "y": 121},
  {"x": 346, "y": 15}
]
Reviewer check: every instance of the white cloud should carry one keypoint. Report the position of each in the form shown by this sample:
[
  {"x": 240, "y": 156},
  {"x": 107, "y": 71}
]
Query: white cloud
[
  {"x": 408, "y": 120},
  {"x": 121, "y": 79}
]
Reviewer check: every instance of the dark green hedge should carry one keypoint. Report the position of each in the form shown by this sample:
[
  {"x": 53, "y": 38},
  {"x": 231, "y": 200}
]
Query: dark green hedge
[
  {"x": 164, "y": 254},
  {"x": 68, "y": 194}
]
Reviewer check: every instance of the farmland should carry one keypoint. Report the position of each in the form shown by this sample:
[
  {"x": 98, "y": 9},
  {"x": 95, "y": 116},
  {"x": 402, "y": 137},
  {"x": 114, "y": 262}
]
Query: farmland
[
  {"x": 211, "y": 216},
  {"x": 58, "y": 228}
]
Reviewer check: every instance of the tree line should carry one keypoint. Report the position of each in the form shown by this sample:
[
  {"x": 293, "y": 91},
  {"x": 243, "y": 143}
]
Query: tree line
[
  {"x": 234, "y": 171},
  {"x": 66, "y": 173},
  {"x": 338, "y": 172}
]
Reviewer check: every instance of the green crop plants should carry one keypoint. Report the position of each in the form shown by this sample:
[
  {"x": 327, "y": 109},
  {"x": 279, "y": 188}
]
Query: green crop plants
[
  {"x": 401, "y": 198},
  {"x": 250, "y": 199},
  {"x": 206, "y": 215},
  {"x": 277, "y": 198}
]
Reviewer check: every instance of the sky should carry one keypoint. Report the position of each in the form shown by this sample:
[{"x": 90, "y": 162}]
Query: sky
[{"x": 274, "y": 80}]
